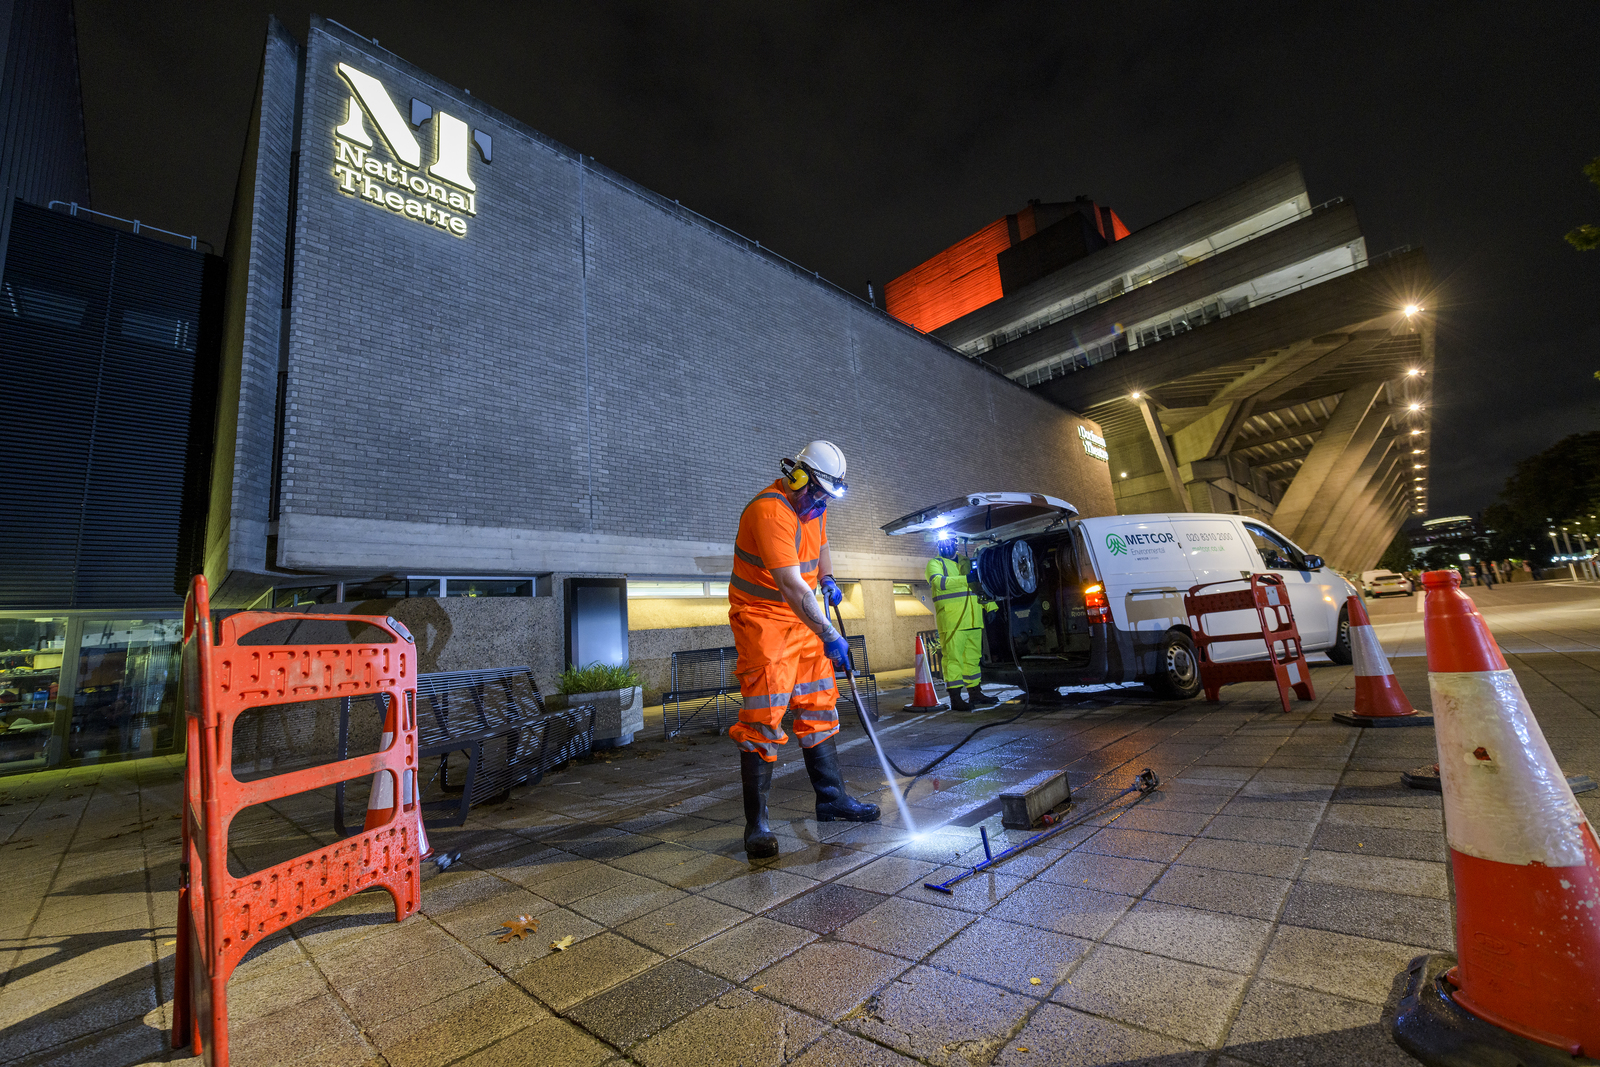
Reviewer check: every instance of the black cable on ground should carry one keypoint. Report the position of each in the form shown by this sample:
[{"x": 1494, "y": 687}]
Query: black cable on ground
[{"x": 866, "y": 721}]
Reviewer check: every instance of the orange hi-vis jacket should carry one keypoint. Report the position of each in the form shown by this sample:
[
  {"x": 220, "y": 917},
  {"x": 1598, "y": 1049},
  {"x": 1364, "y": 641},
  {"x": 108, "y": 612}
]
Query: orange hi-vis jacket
[
  {"x": 781, "y": 663},
  {"x": 770, "y": 536}
]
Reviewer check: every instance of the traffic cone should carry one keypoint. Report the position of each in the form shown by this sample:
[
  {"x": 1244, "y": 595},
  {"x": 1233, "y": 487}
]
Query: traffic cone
[
  {"x": 381, "y": 801},
  {"x": 1379, "y": 698},
  {"x": 924, "y": 697},
  {"x": 1525, "y": 861}
]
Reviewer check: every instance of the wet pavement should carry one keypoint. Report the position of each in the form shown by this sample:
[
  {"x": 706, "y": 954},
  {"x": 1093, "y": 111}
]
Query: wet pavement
[{"x": 1256, "y": 909}]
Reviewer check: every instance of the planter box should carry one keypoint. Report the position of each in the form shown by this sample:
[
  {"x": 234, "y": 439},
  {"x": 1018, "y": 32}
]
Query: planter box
[{"x": 618, "y": 714}]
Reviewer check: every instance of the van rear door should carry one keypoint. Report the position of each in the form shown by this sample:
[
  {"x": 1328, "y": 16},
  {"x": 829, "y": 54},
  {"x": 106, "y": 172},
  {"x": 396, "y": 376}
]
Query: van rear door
[{"x": 1145, "y": 573}]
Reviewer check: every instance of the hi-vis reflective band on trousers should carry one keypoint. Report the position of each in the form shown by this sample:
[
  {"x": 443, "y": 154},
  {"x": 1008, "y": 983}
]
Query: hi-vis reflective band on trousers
[
  {"x": 781, "y": 667},
  {"x": 960, "y": 653},
  {"x": 1505, "y": 798}
]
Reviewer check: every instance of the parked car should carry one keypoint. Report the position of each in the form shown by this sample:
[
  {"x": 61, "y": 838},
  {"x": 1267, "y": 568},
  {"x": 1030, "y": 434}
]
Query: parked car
[
  {"x": 1091, "y": 601},
  {"x": 1385, "y": 583}
]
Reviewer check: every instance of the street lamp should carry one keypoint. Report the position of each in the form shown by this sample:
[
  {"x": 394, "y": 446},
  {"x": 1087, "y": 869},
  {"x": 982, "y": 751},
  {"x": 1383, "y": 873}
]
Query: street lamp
[{"x": 1412, "y": 309}]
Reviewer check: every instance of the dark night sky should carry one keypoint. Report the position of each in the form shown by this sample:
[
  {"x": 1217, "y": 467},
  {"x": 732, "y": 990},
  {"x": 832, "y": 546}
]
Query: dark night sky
[{"x": 859, "y": 138}]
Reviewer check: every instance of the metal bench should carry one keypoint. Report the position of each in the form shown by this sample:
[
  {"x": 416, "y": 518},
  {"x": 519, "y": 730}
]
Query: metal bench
[
  {"x": 705, "y": 679},
  {"x": 496, "y": 725}
]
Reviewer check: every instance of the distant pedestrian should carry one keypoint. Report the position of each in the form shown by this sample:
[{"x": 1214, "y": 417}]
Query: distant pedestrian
[
  {"x": 1527, "y": 568},
  {"x": 1489, "y": 577}
]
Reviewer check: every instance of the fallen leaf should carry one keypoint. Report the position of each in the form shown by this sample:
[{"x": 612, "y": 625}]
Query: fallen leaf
[
  {"x": 1033, "y": 981},
  {"x": 1021, "y": 1049},
  {"x": 564, "y": 944},
  {"x": 519, "y": 928},
  {"x": 165, "y": 943},
  {"x": 759, "y": 988}
]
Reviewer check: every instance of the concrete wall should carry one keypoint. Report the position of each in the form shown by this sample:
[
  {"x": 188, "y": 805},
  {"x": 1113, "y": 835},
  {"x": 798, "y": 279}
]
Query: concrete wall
[{"x": 592, "y": 380}]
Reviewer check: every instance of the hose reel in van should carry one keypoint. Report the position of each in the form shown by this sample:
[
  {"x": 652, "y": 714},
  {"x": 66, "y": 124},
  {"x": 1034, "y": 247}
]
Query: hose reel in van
[{"x": 1007, "y": 570}]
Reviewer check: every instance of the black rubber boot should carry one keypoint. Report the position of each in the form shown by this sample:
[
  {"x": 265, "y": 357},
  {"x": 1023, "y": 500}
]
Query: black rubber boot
[
  {"x": 822, "y": 764},
  {"x": 958, "y": 699},
  {"x": 981, "y": 700},
  {"x": 756, "y": 774}
]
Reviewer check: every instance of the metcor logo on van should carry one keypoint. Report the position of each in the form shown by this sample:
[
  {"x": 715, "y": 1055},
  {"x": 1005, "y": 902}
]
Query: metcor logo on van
[{"x": 1119, "y": 544}]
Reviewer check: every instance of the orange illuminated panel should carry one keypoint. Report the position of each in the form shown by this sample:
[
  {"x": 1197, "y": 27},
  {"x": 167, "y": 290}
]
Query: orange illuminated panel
[
  {"x": 1118, "y": 230},
  {"x": 962, "y": 278}
]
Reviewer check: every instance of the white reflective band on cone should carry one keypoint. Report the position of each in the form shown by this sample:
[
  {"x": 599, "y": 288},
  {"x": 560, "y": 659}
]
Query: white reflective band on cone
[
  {"x": 383, "y": 782},
  {"x": 1514, "y": 807},
  {"x": 1370, "y": 660}
]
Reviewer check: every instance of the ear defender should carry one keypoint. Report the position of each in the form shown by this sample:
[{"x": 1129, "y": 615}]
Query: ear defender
[{"x": 795, "y": 477}]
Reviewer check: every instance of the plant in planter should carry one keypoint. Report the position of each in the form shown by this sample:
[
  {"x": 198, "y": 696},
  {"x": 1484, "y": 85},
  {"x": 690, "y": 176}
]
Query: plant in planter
[{"x": 617, "y": 695}]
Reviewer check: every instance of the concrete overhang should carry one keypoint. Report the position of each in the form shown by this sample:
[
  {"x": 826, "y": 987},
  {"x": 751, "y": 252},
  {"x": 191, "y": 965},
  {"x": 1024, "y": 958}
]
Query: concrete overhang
[
  {"x": 1182, "y": 228},
  {"x": 1323, "y": 231},
  {"x": 1369, "y": 299}
]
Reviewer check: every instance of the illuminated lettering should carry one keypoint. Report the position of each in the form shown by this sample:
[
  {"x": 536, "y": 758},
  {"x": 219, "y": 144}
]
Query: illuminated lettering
[
  {"x": 451, "y": 137},
  {"x": 374, "y": 100},
  {"x": 358, "y": 172}
]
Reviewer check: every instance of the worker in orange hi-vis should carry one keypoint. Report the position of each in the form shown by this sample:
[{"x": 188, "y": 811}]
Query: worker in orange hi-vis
[{"x": 787, "y": 648}]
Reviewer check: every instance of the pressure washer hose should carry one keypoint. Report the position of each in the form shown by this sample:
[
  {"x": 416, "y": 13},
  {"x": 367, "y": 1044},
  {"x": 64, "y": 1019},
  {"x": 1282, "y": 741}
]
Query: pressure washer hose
[{"x": 866, "y": 720}]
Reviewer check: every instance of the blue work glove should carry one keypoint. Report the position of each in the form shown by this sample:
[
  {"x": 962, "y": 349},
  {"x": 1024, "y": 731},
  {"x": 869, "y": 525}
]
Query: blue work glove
[
  {"x": 830, "y": 589},
  {"x": 837, "y": 649}
]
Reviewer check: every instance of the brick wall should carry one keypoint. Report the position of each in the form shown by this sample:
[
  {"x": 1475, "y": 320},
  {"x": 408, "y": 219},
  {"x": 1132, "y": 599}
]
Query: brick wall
[{"x": 593, "y": 379}]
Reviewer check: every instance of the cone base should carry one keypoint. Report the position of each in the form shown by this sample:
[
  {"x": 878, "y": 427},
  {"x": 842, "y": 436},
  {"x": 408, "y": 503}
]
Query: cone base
[
  {"x": 943, "y": 705},
  {"x": 1430, "y": 1025},
  {"x": 1428, "y": 778},
  {"x": 1384, "y": 720}
]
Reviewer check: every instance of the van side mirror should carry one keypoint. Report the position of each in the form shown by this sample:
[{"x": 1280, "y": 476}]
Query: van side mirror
[{"x": 1313, "y": 563}]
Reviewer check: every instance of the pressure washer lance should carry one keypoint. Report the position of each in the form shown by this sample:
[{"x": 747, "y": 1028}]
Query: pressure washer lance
[
  {"x": 866, "y": 721},
  {"x": 1144, "y": 784}
]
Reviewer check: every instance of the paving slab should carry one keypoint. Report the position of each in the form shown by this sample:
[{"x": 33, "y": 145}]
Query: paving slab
[{"x": 1256, "y": 909}]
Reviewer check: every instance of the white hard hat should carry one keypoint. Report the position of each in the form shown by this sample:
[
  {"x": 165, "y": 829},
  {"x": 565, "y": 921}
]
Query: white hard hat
[{"x": 824, "y": 460}]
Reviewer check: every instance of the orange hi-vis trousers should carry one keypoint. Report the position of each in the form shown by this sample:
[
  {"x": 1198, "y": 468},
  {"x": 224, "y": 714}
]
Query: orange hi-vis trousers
[{"x": 781, "y": 667}]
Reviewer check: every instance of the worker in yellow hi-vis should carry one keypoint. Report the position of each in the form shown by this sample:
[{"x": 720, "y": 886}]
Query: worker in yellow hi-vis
[{"x": 960, "y": 612}]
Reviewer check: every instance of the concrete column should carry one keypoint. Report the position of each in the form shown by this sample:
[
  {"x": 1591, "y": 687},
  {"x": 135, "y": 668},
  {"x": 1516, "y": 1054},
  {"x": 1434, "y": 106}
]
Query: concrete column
[
  {"x": 1341, "y": 486},
  {"x": 1308, "y": 484},
  {"x": 1359, "y": 533},
  {"x": 1351, "y": 505},
  {"x": 1383, "y": 531},
  {"x": 1169, "y": 464},
  {"x": 1369, "y": 540},
  {"x": 1340, "y": 543}
]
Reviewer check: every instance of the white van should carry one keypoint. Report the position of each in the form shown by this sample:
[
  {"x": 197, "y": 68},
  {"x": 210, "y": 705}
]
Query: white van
[{"x": 1088, "y": 601}]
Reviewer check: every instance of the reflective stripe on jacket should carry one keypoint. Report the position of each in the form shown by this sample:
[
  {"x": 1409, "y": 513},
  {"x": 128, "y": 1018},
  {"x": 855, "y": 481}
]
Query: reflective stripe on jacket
[
  {"x": 770, "y": 536},
  {"x": 955, "y": 602}
]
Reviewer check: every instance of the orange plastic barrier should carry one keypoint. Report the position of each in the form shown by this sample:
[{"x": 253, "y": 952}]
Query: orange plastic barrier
[
  {"x": 221, "y": 917},
  {"x": 1286, "y": 659}
]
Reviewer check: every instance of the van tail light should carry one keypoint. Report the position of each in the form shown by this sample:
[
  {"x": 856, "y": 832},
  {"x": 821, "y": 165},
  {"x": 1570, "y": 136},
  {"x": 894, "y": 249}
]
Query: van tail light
[{"x": 1096, "y": 604}]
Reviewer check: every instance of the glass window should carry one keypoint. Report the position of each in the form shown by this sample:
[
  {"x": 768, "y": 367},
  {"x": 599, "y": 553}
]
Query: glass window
[
  {"x": 660, "y": 590},
  {"x": 31, "y": 651},
  {"x": 126, "y": 702},
  {"x": 310, "y": 594},
  {"x": 377, "y": 589},
  {"x": 490, "y": 587},
  {"x": 1276, "y": 553}
]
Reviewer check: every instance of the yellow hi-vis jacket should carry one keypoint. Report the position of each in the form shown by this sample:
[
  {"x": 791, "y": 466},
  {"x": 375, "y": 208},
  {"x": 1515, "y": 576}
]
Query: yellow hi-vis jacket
[{"x": 955, "y": 603}]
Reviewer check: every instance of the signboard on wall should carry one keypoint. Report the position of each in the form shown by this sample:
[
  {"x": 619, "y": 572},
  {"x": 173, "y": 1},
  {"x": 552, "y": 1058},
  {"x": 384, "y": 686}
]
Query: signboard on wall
[
  {"x": 1094, "y": 444},
  {"x": 388, "y": 171}
]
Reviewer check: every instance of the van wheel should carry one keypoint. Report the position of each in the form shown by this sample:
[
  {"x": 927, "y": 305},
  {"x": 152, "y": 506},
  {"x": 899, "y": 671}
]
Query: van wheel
[
  {"x": 1179, "y": 676},
  {"x": 1339, "y": 651}
]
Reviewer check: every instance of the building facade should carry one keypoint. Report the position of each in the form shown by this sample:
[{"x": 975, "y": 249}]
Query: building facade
[
  {"x": 460, "y": 356},
  {"x": 1243, "y": 355},
  {"x": 108, "y": 343}
]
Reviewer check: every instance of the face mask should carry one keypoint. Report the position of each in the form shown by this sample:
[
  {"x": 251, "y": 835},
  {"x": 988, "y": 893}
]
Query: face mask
[{"x": 813, "y": 502}]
